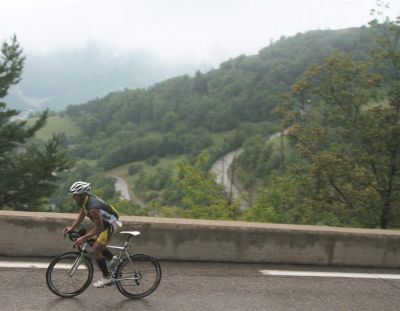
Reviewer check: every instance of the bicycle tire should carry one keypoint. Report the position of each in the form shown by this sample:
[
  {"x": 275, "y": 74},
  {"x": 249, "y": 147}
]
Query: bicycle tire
[
  {"x": 64, "y": 285},
  {"x": 138, "y": 277}
]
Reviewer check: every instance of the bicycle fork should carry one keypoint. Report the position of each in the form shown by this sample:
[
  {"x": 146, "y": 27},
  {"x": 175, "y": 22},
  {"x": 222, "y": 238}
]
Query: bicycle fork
[{"x": 77, "y": 262}]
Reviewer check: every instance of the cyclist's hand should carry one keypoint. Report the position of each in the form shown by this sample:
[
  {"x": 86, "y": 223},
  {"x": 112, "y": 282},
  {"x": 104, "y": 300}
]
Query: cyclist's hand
[
  {"x": 67, "y": 230},
  {"x": 79, "y": 241}
]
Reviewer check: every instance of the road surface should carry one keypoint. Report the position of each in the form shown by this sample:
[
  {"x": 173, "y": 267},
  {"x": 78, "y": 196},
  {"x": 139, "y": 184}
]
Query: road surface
[
  {"x": 221, "y": 169},
  {"x": 222, "y": 173},
  {"x": 218, "y": 286},
  {"x": 122, "y": 186}
]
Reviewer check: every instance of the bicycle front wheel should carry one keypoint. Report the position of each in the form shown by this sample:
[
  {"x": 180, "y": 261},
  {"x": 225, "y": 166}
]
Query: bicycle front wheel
[
  {"x": 69, "y": 274},
  {"x": 138, "y": 276}
]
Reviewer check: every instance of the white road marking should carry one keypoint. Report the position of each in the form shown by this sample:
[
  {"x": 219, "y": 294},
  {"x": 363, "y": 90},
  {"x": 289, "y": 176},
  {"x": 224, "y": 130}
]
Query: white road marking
[
  {"x": 16, "y": 264},
  {"x": 37, "y": 265},
  {"x": 331, "y": 274}
]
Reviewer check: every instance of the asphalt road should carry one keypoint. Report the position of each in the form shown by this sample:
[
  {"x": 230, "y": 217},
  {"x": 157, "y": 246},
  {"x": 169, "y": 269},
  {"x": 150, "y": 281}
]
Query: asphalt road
[
  {"x": 212, "y": 286},
  {"x": 122, "y": 186}
]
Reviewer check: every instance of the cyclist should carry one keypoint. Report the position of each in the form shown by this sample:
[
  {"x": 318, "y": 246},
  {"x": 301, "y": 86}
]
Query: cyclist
[{"x": 104, "y": 216}]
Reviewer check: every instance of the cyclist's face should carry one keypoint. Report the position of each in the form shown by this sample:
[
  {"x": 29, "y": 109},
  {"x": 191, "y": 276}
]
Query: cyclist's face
[{"x": 77, "y": 198}]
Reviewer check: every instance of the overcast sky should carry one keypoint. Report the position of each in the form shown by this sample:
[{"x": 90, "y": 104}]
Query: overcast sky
[{"x": 198, "y": 29}]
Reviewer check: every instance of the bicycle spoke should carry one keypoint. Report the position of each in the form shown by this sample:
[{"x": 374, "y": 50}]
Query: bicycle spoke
[
  {"x": 65, "y": 278},
  {"x": 139, "y": 277}
]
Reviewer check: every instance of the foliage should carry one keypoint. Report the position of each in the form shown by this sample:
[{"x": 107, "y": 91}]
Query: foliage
[
  {"x": 29, "y": 169},
  {"x": 185, "y": 112},
  {"x": 337, "y": 166},
  {"x": 283, "y": 200},
  {"x": 348, "y": 149},
  {"x": 129, "y": 208},
  {"x": 201, "y": 196},
  {"x": 102, "y": 185},
  {"x": 63, "y": 126}
]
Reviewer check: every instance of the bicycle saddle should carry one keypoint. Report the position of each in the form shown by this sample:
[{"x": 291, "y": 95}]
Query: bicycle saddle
[{"x": 131, "y": 232}]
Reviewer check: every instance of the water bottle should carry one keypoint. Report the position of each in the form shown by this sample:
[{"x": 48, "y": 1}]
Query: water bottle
[{"x": 114, "y": 262}]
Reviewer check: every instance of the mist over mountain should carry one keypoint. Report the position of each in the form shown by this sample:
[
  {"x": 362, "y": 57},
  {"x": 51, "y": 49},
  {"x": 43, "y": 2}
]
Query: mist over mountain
[{"x": 58, "y": 79}]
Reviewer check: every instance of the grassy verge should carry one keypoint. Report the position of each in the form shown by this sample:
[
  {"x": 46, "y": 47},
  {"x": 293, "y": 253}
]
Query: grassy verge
[{"x": 56, "y": 125}]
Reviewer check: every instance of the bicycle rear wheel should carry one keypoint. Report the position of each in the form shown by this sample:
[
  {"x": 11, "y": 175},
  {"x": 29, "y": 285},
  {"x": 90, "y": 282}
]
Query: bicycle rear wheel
[
  {"x": 138, "y": 276},
  {"x": 69, "y": 274}
]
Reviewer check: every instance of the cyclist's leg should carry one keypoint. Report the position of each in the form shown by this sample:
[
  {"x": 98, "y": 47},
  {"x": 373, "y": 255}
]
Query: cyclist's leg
[
  {"x": 111, "y": 230},
  {"x": 97, "y": 251},
  {"x": 98, "y": 256},
  {"x": 107, "y": 254}
]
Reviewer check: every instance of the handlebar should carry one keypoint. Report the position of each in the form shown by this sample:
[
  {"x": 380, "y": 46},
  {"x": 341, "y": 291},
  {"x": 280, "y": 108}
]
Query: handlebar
[{"x": 74, "y": 235}]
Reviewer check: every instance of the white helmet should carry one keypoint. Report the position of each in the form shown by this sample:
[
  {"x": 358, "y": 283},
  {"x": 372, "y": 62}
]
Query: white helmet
[{"x": 80, "y": 187}]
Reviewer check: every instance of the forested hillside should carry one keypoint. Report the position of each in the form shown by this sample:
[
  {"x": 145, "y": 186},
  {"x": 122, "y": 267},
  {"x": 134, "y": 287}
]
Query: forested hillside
[
  {"x": 335, "y": 94},
  {"x": 183, "y": 111}
]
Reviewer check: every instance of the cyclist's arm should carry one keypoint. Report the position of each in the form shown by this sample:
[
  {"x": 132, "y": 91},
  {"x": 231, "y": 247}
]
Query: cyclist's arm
[
  {"x": 98, "y": 221},
  {"x": 77, "y": 222}
]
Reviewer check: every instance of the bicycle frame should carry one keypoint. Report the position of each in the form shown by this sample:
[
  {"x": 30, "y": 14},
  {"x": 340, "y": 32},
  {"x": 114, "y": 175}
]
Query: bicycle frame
[{"x": 124, "y": 251}]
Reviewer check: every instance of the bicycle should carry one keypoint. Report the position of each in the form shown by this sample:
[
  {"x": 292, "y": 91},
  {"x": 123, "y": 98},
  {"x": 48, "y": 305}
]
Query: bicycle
[{"x": 135, "y": 276}]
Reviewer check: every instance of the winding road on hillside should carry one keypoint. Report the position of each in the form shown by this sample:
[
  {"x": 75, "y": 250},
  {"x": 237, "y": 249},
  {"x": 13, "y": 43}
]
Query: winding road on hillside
[
  {"x": 122, "y": 187},
  {"x": 125, "y": 193},
  {"x": 221, "y": 168}
]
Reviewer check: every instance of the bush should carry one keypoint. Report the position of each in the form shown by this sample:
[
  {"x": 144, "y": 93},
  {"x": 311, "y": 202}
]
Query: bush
[
  {"x": 153, "y": 160},
  {"x": 134, "y": 169}
]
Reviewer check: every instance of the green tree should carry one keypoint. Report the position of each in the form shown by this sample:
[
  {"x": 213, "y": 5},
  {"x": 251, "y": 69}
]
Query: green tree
[
  {"x": 329, "y": 137},
  {"x": 169, "y": 121},
  {"x": 291, "y": 197},
  {"x": 28, "y": 170},
  {"x": 386, "y": 133},
  {"x": 352, "y": 147},
  {"x": 201, "y": 196}
]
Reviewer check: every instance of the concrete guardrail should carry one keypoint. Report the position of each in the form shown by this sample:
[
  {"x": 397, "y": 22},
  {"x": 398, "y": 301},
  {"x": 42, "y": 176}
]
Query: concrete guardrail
[{"x": 40, "y": 234}]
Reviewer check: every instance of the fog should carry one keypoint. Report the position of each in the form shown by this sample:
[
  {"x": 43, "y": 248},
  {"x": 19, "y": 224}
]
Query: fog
[
  {"x": 77, "y": 50},
  {"x": 174, "y": 29}
]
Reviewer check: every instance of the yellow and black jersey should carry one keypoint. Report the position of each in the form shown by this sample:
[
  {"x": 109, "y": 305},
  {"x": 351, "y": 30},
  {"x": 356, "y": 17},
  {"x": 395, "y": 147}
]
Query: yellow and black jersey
[{"x": 107, "y": 211}]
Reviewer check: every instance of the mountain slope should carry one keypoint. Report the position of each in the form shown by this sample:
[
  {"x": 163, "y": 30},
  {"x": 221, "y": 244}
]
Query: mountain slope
[
  {"x": 214, "y": 111},
  {"x": 244, "y": 89},
  {"x": 58, "y": 79}
]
